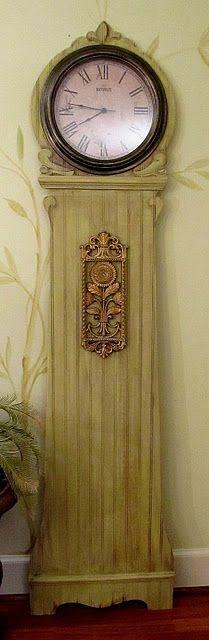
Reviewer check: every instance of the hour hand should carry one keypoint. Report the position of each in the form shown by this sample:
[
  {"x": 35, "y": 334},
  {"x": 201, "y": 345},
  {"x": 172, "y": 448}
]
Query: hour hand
[{"x": 85, "y": 106}]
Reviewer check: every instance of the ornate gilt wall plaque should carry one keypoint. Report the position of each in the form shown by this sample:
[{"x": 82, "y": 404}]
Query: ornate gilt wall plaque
[{"x": 103, "y": 294}]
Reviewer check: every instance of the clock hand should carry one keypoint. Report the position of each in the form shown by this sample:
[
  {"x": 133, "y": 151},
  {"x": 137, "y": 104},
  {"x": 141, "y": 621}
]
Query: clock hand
[
  {"x": 85, "y": 106},
  {"x": 103, "y": 110}
]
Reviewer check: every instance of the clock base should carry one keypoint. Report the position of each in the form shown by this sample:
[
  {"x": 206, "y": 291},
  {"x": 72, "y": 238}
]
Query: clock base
[{"x": 49, "y": 592}]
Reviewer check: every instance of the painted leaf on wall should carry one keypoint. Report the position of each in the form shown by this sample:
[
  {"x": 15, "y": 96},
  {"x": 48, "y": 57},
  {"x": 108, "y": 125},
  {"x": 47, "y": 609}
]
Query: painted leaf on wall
[
  {"x": 20, "y": 144},
  {"x": 187, "y": 182},
  {"x": 8, "y": 352},
  {"x": 6, "y": 280},
  {"x": 204, "y": 174},
  {"x": 153, "y": 47},
  {"x": 16, "y": 207},
  {"x": 11, "y": 262},
  {"x": 203, "y": 47},
  {"x": 198, "y": 164}
]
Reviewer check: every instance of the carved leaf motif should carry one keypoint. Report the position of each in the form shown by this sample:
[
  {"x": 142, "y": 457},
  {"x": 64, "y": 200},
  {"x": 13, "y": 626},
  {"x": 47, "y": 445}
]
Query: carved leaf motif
[
  {"x": 93, "y": 311},
  {"x": 113, "y": 310},
  {"x": 118, "y": 298},
  {"x": 89, "y": 298},
  {"x": 103, "y": 34},
  {"x": 92, "y": 288},
  {"x": 100, "y": 34},
  {"x": 111, "y": 289}
]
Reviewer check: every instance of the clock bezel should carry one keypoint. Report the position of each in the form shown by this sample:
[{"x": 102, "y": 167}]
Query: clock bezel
[{"x": 107, "y": 165}]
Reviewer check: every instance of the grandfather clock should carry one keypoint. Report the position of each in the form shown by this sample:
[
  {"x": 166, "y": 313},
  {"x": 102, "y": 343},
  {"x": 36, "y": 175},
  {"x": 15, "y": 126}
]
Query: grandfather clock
[{"x": 103, "y": 116}]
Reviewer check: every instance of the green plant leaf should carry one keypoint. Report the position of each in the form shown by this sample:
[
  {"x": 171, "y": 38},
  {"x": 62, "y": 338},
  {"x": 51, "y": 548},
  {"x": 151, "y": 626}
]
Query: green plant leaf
[
  {"x": 198, "y": 164},
  {"x": 16, "y": 207},
  {"x": 186, "y": 181},
  {"x": 203, "y": 47},
  {"x": 153, "y": 46},
  {"x": 11, "y": 262},
  {"x": 20, "y": 144}
]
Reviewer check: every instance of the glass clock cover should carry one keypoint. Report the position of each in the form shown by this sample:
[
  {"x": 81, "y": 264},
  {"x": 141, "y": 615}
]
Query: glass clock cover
[{"x": 103, "y": 109}]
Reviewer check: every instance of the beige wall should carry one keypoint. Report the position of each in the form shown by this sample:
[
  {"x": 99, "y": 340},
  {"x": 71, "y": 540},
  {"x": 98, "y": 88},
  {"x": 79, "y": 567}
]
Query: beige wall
[{"x": 31, "y": 34}]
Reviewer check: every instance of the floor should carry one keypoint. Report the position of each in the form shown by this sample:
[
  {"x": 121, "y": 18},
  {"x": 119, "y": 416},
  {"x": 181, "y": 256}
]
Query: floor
[{"x": 189, "y": 619}]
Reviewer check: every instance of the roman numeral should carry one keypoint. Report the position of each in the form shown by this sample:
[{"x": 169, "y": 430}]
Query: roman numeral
[
  {"x": 123, "y": 145},
  {"x": 124, "y": 73},
  {"x": 135, "y": 92},
  {"x": 103, "y": 150},
  {"x": 72, "y": 127},
  {"x": 66, "y": 111},
  {"x": 85, "y": 76},
  {"x": 73, "y": 93},
  {"x": 140, "y": 110},
  {"x": 83, "y": 143},
  {"x": 103, "y": 71},
  {"x": 135, "y": 130}
]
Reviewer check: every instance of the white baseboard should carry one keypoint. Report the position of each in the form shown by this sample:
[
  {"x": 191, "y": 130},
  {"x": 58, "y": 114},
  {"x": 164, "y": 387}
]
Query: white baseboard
[
  {"x": 191, "y": 567},
  {"x": 15, "y": 574}
]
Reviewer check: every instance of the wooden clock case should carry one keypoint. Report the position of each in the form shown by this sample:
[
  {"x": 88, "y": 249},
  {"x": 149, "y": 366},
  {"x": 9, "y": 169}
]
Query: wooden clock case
[{"x": 102, "y": 538}]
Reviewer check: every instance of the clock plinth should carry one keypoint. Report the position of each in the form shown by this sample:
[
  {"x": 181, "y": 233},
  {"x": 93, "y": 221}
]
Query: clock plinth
[{"x": 102, "y": 538}]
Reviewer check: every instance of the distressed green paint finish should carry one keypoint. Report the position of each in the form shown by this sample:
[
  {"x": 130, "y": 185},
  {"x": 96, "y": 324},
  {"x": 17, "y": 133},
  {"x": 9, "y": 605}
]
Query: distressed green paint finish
[{"x": 102, "y": 436}]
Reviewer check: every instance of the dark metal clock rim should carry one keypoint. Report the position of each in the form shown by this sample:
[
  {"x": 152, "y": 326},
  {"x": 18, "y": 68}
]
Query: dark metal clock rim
[{"x": 68, "y": 153}]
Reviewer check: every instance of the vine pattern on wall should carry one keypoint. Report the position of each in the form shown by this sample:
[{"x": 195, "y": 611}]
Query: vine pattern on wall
[{"x": 32, "y": 367}]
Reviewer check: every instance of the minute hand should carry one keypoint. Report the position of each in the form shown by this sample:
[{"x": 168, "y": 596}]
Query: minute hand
[{"x": 104, "y": 110}]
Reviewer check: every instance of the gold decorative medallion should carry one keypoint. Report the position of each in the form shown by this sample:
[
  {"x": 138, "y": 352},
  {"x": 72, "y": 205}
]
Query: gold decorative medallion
[{"x": 103, "y": 294}]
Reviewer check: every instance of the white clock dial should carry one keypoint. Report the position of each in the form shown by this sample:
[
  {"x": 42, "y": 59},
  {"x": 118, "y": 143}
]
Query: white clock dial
[{"x": 103, "y": 109}]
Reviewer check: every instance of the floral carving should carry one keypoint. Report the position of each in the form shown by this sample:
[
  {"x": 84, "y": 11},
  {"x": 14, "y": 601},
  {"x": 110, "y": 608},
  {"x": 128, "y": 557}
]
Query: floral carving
[{"x": 103, "y": 268}]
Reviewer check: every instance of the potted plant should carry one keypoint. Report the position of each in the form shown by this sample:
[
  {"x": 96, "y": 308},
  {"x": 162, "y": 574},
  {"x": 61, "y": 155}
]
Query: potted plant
[
  {"x": 19, "y": 456},
  {"x": 19, "y": 459}
]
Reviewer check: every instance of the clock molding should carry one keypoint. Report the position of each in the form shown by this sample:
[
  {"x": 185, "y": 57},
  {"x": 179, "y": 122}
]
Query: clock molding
[{"x": 102, "y": 467}]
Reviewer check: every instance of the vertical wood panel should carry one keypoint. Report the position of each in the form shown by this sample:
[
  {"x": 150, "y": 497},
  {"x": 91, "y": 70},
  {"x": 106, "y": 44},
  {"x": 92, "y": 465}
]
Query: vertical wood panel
[{"x": 105, "y": 426}]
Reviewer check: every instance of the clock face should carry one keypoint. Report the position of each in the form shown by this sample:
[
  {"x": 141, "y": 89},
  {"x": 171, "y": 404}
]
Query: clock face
[{"x": 103, "y": 109}]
